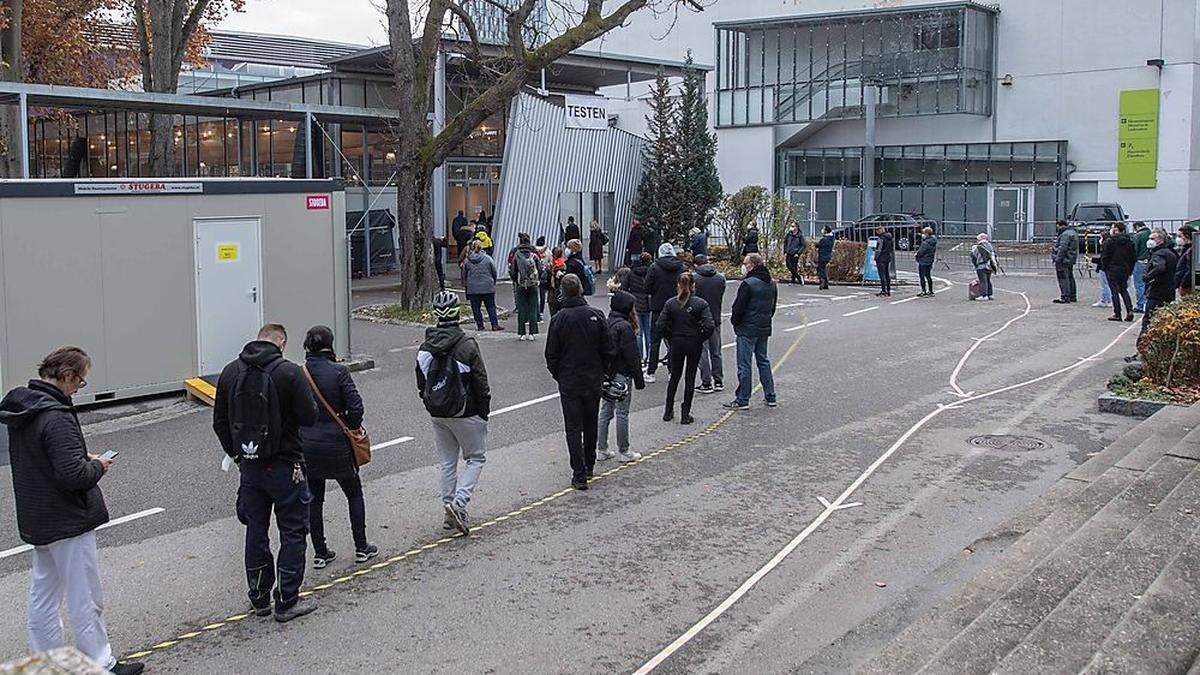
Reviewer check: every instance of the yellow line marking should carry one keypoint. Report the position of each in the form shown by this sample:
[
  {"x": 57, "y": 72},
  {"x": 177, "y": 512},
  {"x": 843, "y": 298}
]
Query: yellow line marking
[
  {"x": 213, "y": 626},
  {"x": 321, "y": 587},
  {"x": 164, "y": 645},
  {"x": 237, "y": 617},
  {"x": 342, "y": 580},
  {"x": 380, "y": 565},
  {"x": 138, "y": 655},
  {"x": 189, "y": 636}
]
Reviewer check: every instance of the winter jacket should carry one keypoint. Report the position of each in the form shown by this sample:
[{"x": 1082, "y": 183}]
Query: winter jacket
[
  {"x": 710, "y": 285},
  {"x": 1140, "y": 239},
  {"x": 579, "y": 350},
  {"x": 692, "y": 321},
  {"x": 927, "y": 251},
  {"x": 793, "y": 242},
  {"x": 297, "y": 408},
  {"x": 1160, "y": 274},
  {"x": 662, "y": 280},
  {"x": 885, "y": 248},
  {"x": 1119, "y": 255},
  {"x": 698, "y": 244},
  {"x": 484, "y": 239},
  {"x": 825, "y": 248},
  {"x": 651, "y": 238},
  {"x": 1183, "y": 269},
  {"x": 327, "y": 452},
  {"x": 596, "y": 242},
  {"x": 750, "y": 243},
  {"x": 55, "y": 485},
  {"x": 754, "y": 306},
  {"x": 1066, "y": 247},
  {"x": 620, "y": 330},
  {"x": 572, "y": 232},
  {"x": 481, "y": 274},
  {"x": 450, "y": 339},
  {"x": 576, "y": 265},
  {"x": 633, "y": 245},
  {"x": 983, "y": 257},
  {"x": 637, "y": 282}
]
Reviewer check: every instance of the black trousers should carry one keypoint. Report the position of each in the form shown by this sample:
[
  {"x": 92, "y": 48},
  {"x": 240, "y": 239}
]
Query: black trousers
[
  {"x": 352, "y": 488},
  {"x": 1152, "y": 306},
  {"x": 1066, "y": 281},
  {"x": 685, "y": 360},
  {"x": 441, "y": 272},
  {"x": 1118, "y": 283},
  {"x": 655, "y": 340},
  {"x": 267, "y": 486},
  {"x": 885, "y": 275},
  {"x": 793, "y": 265},
  {"x": 581, "y": 413},
  {"x": 926, "y": 274},
  {"x": 823, "y": 273}
]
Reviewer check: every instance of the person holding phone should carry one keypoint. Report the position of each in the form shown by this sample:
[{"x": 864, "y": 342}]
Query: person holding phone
[{"x": 59, "y": 506}]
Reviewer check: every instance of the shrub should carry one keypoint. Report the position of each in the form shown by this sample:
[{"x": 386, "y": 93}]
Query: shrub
[{"x": 1170, "y": 347}]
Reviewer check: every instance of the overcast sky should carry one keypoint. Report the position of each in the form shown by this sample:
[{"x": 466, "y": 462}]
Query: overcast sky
[{"x": 353, "y": 21}]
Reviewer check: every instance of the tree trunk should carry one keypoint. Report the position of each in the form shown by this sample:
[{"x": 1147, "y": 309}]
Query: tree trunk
[
  {"x": 414, "y": 214},
  {"x": 11, "y": 71},
  {"x": 162, "y": 146}
]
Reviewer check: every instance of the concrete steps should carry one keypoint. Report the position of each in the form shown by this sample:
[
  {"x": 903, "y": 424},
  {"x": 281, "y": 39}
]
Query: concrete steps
[{"x": 1105, "y": 576}]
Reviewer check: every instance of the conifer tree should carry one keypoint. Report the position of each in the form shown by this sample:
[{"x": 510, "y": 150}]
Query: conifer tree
[
  {"x": 658, "y": 195},
  {"x": 700, "y": 186}
]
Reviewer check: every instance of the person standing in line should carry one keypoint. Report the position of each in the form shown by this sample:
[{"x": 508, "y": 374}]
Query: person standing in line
[
  {"x": 579, "y": 267},
  {"x": 1183, "y": 269},
  {"x": 983, "y": 258},
  {"x": 926, "y": 255},
  {"x": 634, "y": 244},
  {"x": 619, "y": 281},
  {"x": 1141, "y": 235},
  {"x": 481, "y": 285},
  {"x": 580, "y": 356},
  {"x": 544, "y": 282},
  {"x": 710, "y": 286},
  {"x": 464, "y": 237},
  {"x": 686, "y": 324},
  {"x": 824, "y": 256},
  {"x": 698, "y": 242},
  {"x": 660, "y": 285},
  {"x": 1160, "y": 274},
  {"x": 485, "y": 240},
  {"x": 525, "y": 271},
  {"x": 637, "y": 283},
  {"x": 264, "y": 440},
  {"x": 555, "y": 272},
  {"x": 793, "y": 248},
  {"x": 597, "y": 240},
  {"x": 327, "y": 451},
  {"x": 885, "y": 247},
  {"x": 571, "y": 231},
  {"x": 59, "y": 506},
  {"x": 1065, "y": 253},
  {"x": 462, "y": 231},
  {"x": 652, "y": 237},
  {"x": 627, "y": 372},
  {"x": 1104, "y": 297},
  {"x": 753, "y": 313},
  {"x": 453, "y": 384},
  {"x": 439, "y": 258},
  {"x": 1118, "y": 257},
  {"x": 750, "y": 241}
]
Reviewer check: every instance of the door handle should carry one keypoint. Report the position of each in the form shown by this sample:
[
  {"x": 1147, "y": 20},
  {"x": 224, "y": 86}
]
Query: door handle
[{"x": 254, "y": 293}]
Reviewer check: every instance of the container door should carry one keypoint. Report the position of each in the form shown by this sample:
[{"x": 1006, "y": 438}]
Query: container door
[{"x": 228, "y": 289}]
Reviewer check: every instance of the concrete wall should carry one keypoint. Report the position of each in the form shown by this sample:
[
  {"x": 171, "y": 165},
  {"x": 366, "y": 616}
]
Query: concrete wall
[{"x": 115, "y": 275}]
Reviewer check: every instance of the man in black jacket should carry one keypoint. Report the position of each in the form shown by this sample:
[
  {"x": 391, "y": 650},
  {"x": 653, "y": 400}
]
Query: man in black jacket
[
  {"x": 59, "y": 506},
  {"x": 1160, "y": 274},
  {"x": 753, "y": 312},
  {"x": 885, "y": 247},
  {"x": 660, "y": 286},
  {"x": 275, "y": 481},
  {"x": 581, "y": 356},
  {"x": 926, "y": 256},
  {"x": 710, "y": 285},
  {"x": 824, "y": 256},
  {"x": 628, "y": 371},
  {"x": 793, "y": 248}
]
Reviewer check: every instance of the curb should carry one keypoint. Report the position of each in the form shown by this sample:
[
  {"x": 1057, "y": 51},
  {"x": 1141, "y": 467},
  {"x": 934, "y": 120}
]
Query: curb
[{"x": 1130, "y": 407}]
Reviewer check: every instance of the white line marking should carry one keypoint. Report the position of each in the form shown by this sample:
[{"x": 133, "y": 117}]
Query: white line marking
[
  {"x": 839, "y": 503},
  {"x": 805, "y": 325},
  {"x": 394, "y": 441},
  {"x": 526, "y": 404},
  {"x": 862, "y": 311},
  {"x": 901, "y": 302},
  {"x": 115, "y": 521},
  {"x": 978, "y": 341}
]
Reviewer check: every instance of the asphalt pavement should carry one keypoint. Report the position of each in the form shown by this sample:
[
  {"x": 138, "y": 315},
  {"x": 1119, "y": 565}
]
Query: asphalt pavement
[{"x": 746, "y": 543}]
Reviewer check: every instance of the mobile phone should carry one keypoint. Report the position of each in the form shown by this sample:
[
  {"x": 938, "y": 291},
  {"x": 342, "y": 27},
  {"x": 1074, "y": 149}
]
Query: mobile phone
[{"x": 110, "y": 455}]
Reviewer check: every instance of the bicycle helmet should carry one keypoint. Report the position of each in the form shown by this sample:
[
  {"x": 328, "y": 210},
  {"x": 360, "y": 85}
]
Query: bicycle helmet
[
  {"x": 445, "y": 306},
  {"x": 614, "y": 391}
]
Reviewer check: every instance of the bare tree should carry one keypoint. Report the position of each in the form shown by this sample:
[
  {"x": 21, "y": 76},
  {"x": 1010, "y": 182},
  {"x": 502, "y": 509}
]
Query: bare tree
[{"x": 528, "y": 49}]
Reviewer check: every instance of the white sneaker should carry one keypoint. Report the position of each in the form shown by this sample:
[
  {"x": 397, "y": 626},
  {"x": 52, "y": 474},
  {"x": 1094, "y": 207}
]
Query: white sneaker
[
  {"x": 1101, "y": 304},
  {"x": 602, "y": 455},
  {"x": 629, "y": 456},
  {"x": 649, "y": 378}
]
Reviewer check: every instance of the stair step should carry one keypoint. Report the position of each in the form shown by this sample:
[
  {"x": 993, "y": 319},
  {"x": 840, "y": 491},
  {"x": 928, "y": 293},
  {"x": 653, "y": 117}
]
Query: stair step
[
  {"x": 1069, "y": 636},
  {"x": 1160, "y": 631},
  {"x": 926, "y": 636},
  {"x": 1003, "y": 625},
  {"x": 1148, "y": 452},
  {"x": 1105, "y": 459},
  {"x": 1189, "y": 446}
]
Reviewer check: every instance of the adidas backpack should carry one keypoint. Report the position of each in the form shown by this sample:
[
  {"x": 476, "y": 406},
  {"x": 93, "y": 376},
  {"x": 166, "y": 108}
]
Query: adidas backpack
[{"x": 254, "y": 417}]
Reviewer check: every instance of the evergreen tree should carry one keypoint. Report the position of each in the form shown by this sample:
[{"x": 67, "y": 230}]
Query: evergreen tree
[
  {"x": 700, "y": 186},
  {"x": 658, "y": 194}
]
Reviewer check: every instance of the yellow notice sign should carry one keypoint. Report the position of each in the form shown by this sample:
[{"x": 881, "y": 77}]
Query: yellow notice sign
[
  {"x": 1137, "y": 139},
  {"x": 227, "y": 252}
]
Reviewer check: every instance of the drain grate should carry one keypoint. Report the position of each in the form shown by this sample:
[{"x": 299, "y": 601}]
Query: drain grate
[{"x": 1007, "y": 442}]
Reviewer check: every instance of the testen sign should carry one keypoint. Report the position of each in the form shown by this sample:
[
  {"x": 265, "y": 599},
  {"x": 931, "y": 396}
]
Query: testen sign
[{"x": 586, "y": 112}]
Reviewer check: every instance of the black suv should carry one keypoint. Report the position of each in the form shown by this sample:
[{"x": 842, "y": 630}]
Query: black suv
[
  {"x": 1092, "y": 219},
  {"x": 905, "y": 228}
]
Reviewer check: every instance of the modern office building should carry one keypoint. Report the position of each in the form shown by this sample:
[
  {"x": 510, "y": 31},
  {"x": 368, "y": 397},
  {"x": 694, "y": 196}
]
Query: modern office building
[{"x": 994, "y": 117}]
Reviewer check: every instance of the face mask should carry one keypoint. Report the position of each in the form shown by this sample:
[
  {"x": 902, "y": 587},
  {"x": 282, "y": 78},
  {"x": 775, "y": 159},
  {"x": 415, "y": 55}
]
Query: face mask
[
  {"x": 1180, "y": 242},
  {"x": 743, "y": 270},
  {"x": 1153, "y": 243}
]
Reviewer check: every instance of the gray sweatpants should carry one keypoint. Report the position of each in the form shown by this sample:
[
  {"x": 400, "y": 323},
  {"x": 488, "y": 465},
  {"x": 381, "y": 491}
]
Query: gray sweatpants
[
  {"x": 620, "y": 410},
  {"x": 712, "y": 370},
  {"x": 452, "y": 437}
]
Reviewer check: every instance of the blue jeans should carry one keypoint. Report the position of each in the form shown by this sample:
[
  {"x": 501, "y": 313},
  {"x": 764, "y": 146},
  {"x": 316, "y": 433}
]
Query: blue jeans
[
  {"x": 1105, "y": 291},
  {"x": 1139, "y": 284},
  {"x": 756, "y": 348},
  {"x": 644, "y": 326},
  {"x": 267, "y": 486},
  {"x": 488, "y": 299},
  {"x": 618, "y": 410}
]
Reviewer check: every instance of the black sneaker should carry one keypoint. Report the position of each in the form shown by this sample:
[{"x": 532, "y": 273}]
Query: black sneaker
[
  {"x": 128, "y": 668},
  {"x": 362, "y": 555},
  {"x": 263, "y": 611},
  {"x": 706, "y": 389},
  {"x": 579, "y": 485},
  {"x": 320, "y": 560},
  {"x": 686, "y": 419},
  {"x": 303, "y": 606},
  {"x": 772, "y": 404},
  {"x": 1060, "y": 301},
  {"x": 668, "y": 415},
  {"x": 719, "y": 386},
  {"x": 447, "y": 522},
  {"x": 735, "y": 405},
  {"x": 458, "y": 516}
]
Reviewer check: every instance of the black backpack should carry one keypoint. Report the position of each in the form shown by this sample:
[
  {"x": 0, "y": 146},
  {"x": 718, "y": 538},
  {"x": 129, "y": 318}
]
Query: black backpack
[
  {"x": 255, "y": 421},
  {"x": 445, "y": 393}
]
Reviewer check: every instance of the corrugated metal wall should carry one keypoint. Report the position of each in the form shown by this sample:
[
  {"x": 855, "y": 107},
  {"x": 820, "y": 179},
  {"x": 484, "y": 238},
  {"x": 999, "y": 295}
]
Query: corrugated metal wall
[{"x": 543, "y": 159}]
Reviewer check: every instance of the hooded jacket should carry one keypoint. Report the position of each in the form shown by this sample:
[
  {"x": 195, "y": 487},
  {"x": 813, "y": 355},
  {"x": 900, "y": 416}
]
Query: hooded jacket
[
  {"x": 754, "y": 307},
  {"x": 327, "y": 451},
  {"x": 576, "y": 265},
  {"x": 1118, "y": 256},
  {"x": 661, "y": 281},
  {"x": 54, "y": 483},
  {"x": 885, "y": 250},
  {"x": 450, "y": 339},
  {"x": 793, "y": 242},
  {"x": 481, "y": 274},
  {"x": 620, "y": 329},
  {"x": 1160, "y": 273},
  {"x": 636, "y": 284},
  {"x": 710, "y": 285},
  {"x": 579, "y": 350},
  {"x": 297, "y": 407}
]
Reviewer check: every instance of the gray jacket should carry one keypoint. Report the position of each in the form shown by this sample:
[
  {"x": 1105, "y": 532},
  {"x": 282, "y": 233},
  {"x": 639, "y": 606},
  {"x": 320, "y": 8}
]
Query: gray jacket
[
  {"x": 983, "y": 256},
  {"x": 927, "y": 252},
  {"x": 481, "y": 274},
  {"x": 1066, "y": 247}
]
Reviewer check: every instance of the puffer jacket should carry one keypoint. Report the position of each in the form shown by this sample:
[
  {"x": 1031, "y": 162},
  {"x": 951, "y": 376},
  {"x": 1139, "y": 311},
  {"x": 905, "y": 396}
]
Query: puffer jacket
[
  {"x": 793, "y": 242},
  {"x": 481, "y": 274},
  {"x": 754, "y": 307},
  {"x": 690, "y": 321},
  {"x": 750, "y": 243},
  {"x": 1160, "y": 274},
  {"x": 327, "y": 452},
  {"x": 624, "y": 339},
  {"x": 450, "y": 338},
  {"x": 55, "y": 485},
  {"x": 710, "y": 285},
  {"x": 636, "y": 283},
  {"x": 662, "y": 280}
]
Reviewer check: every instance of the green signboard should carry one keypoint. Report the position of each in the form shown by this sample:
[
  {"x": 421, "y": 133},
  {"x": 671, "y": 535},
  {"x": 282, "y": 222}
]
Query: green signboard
[{"x": 1137, "y": 139}]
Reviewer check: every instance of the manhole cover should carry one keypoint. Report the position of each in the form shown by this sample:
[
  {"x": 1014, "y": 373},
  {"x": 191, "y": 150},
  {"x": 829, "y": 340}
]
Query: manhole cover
[{"x": 1006, "y": 442}]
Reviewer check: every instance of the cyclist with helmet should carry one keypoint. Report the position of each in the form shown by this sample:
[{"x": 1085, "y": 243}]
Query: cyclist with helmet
[{"x": 622, "y": 322}]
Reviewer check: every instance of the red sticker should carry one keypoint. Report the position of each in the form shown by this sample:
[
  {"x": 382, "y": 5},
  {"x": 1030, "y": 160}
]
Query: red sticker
[{"x": 317, "y": 202}]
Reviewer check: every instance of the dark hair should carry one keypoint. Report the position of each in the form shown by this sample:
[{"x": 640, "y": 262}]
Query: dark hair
[
  {"x": 700, "y": 260},
  {"x": 827, "y": 229},
  {"x": 541, "y": 241},
  {"x": 621, "y": 275},
  {"x": 318, "y": 339},
  {"x": 272, "y": 329},
  {"x": 645, "y": 257},
  {"x": 1119, "y": 225},
  {"x": 570, "y": 286},
  {"x": 556, "y": 251},
  {"x": 1139, "y": 225},
  {"x": 1187, "y": 231},
  {"x": 64, "y": 361},
  {"x": 1061, "y": 223},
  {"x": 522, "y": 238}
]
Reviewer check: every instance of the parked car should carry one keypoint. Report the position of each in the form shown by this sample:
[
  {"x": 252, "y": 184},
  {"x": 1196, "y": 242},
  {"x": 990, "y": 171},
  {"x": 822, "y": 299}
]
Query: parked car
[
  {"x": 1092, "y": 219},
  {"x": 905, "y": 228}
]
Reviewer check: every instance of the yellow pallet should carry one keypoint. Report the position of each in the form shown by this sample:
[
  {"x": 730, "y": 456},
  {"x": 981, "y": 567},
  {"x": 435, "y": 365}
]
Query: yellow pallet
[{"x": 200, "y": 390}]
